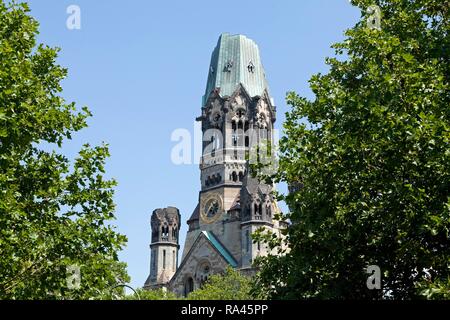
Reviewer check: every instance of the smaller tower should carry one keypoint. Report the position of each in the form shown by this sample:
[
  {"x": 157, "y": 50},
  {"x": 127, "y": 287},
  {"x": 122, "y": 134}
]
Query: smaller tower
[
  {"x": 257, "y": 209},
  {"x": 164, "y": 246}
]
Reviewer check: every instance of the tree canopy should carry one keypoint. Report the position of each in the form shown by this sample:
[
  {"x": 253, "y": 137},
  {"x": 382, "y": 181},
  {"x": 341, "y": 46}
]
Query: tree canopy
[
  {"x": 367, "y": 162},
  {"x": 56, "y": 240}
]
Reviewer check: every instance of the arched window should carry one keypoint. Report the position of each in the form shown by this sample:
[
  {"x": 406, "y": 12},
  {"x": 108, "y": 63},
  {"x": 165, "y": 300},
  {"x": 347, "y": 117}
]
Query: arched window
[
  {"x": 247, "y": 240},
  {"x": 241, "y": 176},
  {"x": 164, "y": 232},
  {"x": 188, "y": 286},
  {"x": 153, "y": 260},
  {"x": 240, "y": 134},
  {"x": 174, "y": 261},
  {"x": 260, "y": 209},
  {"x": 235, "y": 139},
  {"x": 269, "y": 210},
  {"x": 234, "y": 136},
  {"x": 203, "y": 271},
  {"x": 174, "y": 232},
  {"x": 234, "y": 176},
  {"x": 164, "y": 259}
]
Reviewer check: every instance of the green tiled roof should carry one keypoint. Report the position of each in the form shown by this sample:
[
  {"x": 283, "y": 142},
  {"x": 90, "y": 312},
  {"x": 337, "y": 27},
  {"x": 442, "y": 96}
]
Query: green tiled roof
[
  {"x": 224, "y": 252},
  {"x": 241, "y": 52}
]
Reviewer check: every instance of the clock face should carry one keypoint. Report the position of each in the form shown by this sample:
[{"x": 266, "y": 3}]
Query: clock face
[{"x": 211, "y": 208}]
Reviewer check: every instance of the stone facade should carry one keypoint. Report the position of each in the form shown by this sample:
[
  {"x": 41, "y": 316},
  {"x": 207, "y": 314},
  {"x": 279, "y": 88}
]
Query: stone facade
[{"x": 237, "y": 115}]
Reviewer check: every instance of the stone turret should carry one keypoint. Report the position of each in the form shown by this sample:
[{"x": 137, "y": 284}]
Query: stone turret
[{"x": 165, "y": 226}]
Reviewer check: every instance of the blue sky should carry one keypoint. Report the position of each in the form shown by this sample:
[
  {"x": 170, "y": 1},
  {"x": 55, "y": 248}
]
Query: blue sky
[{"x": 141, "y": 68}]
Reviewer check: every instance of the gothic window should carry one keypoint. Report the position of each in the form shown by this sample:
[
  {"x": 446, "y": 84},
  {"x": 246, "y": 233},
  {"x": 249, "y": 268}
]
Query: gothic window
[
  {"x": 269, "y": 211},
  {"x": 260, "y": 209},
  {"x": 247, "y": 240},
  {"x": 153, "y": 260},
  {"x": 164, "y": 259},
  {"x": 250, "y": 67},
  {"x": 174, "y": 263},
  {"x": 234, "y": 176},
  {"x": 240, "y": 133},
  {"x": 263, "y": 133},
  {"x": 188, "y": 286},
  {"x": 164, "y": 232},
  {"x": 233, "y": 125},
  {"x": 203, "y": 272},
  {"x": 241, "y": 176},
  {"x": 256, "y": 209},
  {"x": 235, "y": 139},
  {"x": 235, "y": 154},
  {"x": 174, "y": 232},
  {"x": 246, "y": 126},
  {"x": 247, "y": 141},
  {"x": 218, "y": 178}
]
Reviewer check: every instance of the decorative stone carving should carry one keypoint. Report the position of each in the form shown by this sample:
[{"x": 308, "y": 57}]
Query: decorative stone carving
[
  {"x": 250, "y": 67},
  {"x": 228, "y": 66}
]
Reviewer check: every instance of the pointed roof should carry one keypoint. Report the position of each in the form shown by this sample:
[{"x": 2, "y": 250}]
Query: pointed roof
[
  {"x": 235, "y": 60},
  {"x": 252, "y": 184},
  {"x": 236, "y": 203},
  {"x": 220, "y": 248},
  {"x": 216, "y": 245}
]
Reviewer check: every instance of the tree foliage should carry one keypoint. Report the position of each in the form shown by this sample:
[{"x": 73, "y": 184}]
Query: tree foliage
[
  {"x": 231, "y": 285},
  {"x": 155, "y": 294},
  {"x": 54, "y": 213},
  {"x": 369, "y": 169}
]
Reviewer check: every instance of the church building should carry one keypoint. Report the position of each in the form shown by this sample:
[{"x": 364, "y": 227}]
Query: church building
[{"x": 237, "y": 114}]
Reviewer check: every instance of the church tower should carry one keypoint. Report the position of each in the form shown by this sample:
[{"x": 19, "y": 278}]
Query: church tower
[
  {"x": 237, "y": 113},
  {"x": 164, "y": 246},
  {"x": 237, "y": 120}
]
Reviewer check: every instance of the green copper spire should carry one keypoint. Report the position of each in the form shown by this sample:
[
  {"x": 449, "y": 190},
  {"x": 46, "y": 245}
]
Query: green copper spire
[{"x": 235, "y": 60}]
